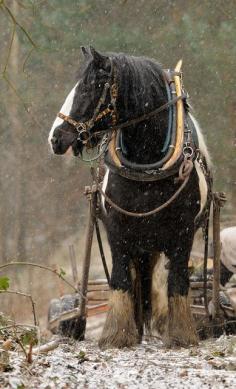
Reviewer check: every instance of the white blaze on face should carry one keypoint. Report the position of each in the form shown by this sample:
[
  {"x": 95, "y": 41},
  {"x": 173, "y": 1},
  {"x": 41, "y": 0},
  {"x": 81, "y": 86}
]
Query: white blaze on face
[{"x": 65, "y": 109}]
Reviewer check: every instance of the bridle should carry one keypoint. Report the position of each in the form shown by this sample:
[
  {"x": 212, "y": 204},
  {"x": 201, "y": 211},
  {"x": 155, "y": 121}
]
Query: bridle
[{"x": 84, "y": 128}]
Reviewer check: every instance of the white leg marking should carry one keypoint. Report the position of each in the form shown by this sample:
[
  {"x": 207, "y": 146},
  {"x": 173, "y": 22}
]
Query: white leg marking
[
  {"x": 65, "y": 109},
  {"x": 104, "y": 186},
  {"x": 202, "y": 186},
  {"x": 159, "y": 290}
]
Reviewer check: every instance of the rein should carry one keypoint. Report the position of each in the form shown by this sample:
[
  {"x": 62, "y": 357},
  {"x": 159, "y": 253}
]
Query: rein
[
  {"x": 145, "y": 116},
  {"x": 184, "y": 174},
  {"x": 83, "y": 127}
]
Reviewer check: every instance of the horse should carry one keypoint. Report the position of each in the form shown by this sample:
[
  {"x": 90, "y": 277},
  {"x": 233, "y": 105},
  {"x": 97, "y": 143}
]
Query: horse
[{"x": 149, "y": 283}]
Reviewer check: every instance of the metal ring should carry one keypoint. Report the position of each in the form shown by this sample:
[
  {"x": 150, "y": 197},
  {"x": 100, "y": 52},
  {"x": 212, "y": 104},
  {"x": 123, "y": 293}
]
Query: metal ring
[
  {"x": 188, "y": 151},
  {"x": 84, "y": 136}
]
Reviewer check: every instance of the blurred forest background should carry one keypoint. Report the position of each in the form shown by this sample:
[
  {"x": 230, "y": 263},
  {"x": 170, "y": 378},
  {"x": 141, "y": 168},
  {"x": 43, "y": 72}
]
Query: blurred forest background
[{"x": 43, "y": 209}]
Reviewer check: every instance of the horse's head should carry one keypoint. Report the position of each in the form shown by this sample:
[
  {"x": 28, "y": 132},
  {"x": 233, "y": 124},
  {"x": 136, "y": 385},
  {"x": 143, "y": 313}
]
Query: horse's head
[{"x": 81, "y": 104}]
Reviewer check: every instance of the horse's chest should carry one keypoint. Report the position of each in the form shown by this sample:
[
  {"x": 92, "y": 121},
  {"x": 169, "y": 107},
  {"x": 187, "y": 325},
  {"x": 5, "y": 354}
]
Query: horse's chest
[{"x": 156, "y": 231}]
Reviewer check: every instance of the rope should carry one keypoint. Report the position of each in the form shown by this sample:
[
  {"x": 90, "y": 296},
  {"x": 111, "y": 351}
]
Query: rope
[
  {"x": 84, "y": 126},
  {"x": 206, "y": 235},
  {"x": 187, "y": 165},
  {"x": 185, "y": 170}
]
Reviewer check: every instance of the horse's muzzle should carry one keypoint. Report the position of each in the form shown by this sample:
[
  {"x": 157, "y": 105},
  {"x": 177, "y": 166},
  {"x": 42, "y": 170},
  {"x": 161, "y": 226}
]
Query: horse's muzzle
[{"x": 58, "y": 146}]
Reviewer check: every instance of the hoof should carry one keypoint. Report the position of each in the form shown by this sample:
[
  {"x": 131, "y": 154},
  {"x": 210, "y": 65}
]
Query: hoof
[
  {"x": 117, "y": 340},
  {"x": 159, "y": 324},
  {"x": 181, "y": 331},
  {"x": 180, "y": 340},
  {"x": 120, "y": 329}
]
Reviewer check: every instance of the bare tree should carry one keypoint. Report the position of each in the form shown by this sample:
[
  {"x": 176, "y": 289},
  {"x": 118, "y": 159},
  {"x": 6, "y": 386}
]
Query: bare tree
[{"x": 18, "y": 231}]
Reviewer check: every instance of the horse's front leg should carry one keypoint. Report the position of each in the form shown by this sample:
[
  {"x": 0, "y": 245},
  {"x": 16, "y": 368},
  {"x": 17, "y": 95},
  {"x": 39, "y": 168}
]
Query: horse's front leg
[
  {"x": 180, "y": 329},
  {"x": 120, "y": 329}
]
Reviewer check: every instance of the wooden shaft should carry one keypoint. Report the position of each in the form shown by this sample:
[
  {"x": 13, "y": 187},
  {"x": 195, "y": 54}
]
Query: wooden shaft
[
  {"x": 99, "y": 282},
  {"x": 200, "y": 284},
  {"x": 217, "y": 251},
  {"x": 87, "y": 256},
  {"x": 206, "y": 240}
]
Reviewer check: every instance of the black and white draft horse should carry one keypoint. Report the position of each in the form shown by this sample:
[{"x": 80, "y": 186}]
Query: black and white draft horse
[{"x": 149, "y": 254}]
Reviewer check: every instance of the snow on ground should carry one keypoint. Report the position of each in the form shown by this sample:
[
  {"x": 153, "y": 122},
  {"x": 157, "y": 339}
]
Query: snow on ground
[{"x": 83, "y": 365}]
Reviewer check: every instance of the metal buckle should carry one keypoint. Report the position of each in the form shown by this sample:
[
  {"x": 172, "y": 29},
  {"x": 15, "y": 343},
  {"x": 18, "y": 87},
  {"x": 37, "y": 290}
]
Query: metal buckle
[{"x": 81, "y": 127}]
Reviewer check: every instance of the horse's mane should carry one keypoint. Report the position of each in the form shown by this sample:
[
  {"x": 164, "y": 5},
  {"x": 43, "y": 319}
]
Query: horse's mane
[
  {"x": 141, "y": 89},
  {"x": 141, "y": 84}
]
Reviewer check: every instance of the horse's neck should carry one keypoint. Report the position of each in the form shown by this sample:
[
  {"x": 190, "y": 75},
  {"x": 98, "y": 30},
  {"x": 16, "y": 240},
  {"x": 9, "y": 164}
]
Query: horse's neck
[{"x": 143, "y": 144}]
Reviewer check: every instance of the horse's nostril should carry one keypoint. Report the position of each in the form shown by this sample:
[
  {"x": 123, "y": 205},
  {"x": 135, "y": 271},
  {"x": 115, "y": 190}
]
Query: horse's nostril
[{"x": 54, "y": 140}]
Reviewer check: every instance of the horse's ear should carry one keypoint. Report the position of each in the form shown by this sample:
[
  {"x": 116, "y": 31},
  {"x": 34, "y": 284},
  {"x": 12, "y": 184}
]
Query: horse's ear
[
  {"x": 100, "y": 60},
  {"x": 85, "y": 52}
]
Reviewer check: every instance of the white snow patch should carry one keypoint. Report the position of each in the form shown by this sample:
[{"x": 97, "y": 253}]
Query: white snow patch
[{"x": 149, "y": 365}]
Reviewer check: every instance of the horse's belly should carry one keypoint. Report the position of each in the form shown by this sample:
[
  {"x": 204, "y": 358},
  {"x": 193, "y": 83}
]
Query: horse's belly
[{"x": 150, "y": 234}]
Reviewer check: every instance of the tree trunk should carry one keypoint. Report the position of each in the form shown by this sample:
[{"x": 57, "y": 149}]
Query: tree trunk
[{"x": 19, "y": 225}]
